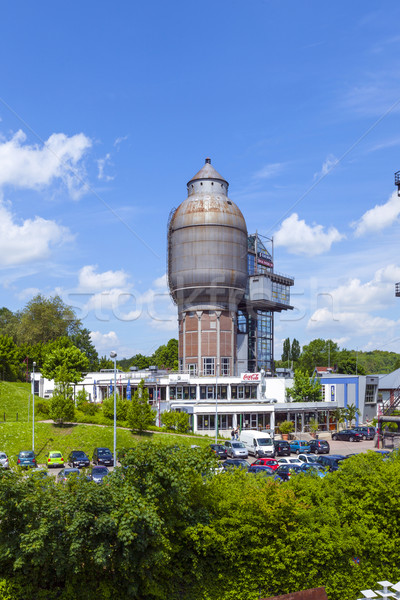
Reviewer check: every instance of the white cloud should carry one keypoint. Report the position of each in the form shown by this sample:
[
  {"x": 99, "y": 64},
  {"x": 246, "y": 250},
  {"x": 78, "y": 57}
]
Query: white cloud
[
  {"x": 104, "y": 341},
  {"x": 28, "y": 293},
  {"x": 29, "y": 240},
  {"x": 379, "y": 217},
  {"x": 269, "y": 171},
  {"x": 352, "y": 323},
  {"x": 34, "y": 166},
  {"x": 300, "y": 238},
  {"x": 90, "y": 281},
  {"x": 101, "y": 164},
  {"x": 119, "y": 140},
  {"x": 329, "y": 164}
]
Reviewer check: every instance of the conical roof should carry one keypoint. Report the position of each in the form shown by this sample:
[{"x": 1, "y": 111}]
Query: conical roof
[{"x": 207, "y": 172}]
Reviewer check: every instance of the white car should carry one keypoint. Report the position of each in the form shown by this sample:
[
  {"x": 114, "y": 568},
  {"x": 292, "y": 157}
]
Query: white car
[
  {"x": 4, "y": 460},
  {"x": 287, "y": 460},
  {"x": 308, "y": 458}
]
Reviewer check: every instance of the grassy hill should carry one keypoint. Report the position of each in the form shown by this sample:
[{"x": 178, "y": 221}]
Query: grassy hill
[{"x": 16, "y": 436}]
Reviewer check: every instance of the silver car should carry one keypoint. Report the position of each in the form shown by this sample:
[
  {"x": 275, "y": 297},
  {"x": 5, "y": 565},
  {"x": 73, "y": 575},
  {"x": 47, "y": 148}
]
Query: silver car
[
  {"x": 4, "y": 461},
  {"x": 236, "y": 449}
]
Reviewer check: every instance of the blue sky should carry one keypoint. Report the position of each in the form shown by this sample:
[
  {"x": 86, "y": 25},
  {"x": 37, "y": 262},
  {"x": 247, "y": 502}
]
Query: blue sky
[{"x": 107, "y": 110}]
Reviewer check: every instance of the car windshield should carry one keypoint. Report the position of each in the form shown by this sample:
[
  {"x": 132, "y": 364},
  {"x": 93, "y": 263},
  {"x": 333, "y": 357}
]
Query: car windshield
[
  {"x": 26, "y": 454},
  {"x": 79, "y": 454},
  {"x": 103, "y": 452},
  {"x": 264, "y": 441},
  {"x": 55, "y": 454},
  {"x": 100, "y": 471},
  {"x": 2, "y": 455},
  {"x": 238, "y": 445}
]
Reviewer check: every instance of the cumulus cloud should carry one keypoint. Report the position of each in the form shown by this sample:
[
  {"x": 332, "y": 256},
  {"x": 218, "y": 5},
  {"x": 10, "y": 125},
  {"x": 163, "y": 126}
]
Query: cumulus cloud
[
  {"x": 34, "y": 166},
  {"x": 90, "y": 281},
  {"x": 327, "y": 166},
  {"x": 353, "y": 323},
  {"x": 379, "y": 217},
  {"x": 269, "y": 171},
  {"x": 28, "y": 240},
  {"x": 299, "y": 238},
  {"x": 104, "y": 341}
]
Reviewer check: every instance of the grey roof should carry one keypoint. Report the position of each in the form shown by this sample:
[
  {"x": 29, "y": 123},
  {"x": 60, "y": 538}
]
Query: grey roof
[
  {"x": 389, "y": 381},
  {"x": 208, "y": 172}
]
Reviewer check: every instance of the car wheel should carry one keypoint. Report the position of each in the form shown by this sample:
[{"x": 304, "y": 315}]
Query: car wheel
[
  {"x": 364, "y": 437},
  {"x": 316, "y": 451},
  {"x": 351, "y": 439},
  {"x": 334, "y": 437},
  {"x": 297, "y": 451}
]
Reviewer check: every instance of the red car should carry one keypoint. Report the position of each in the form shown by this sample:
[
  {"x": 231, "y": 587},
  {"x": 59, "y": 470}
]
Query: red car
[{"x": 267, "y": 462}]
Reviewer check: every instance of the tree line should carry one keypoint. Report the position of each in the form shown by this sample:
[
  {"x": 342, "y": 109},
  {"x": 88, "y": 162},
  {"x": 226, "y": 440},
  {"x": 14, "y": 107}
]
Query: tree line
[{"x": 326, "y": 353}]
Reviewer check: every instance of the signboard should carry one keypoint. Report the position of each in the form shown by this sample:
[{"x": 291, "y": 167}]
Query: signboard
[
  {"x": 265, "y": 262},
  {"x": 250, "y": 377},
  {"x": 333, "y": 393}
]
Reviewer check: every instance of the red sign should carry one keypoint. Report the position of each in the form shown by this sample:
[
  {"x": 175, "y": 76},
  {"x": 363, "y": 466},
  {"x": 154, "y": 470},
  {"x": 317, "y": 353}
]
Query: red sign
[
  {"x": 265, "y": 262},
  {"x": 251, "y": 376}
]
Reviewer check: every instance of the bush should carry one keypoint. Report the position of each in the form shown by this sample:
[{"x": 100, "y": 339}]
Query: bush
[
  {"x": 43, "y": 408},
  {"x": 176, "y": 421},
  {"x": 89, "y": 408},
  {"x": 122, "y": 408}
]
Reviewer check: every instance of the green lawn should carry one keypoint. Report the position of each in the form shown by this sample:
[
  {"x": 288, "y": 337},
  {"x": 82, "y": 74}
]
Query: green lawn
[
  {"x": 18, "y": 436},
  {"x": 15, "y": 398}
]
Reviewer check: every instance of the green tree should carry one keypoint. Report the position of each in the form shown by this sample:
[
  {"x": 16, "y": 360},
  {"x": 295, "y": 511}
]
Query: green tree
[
  {"x": 166, "y": 357},
  {"x": 318, "y": 353},
  {"x": 174, "y": 420},
  {"x": 305, "y": 388},
  {"x": 122, "y": 408},
  {"x": 9, "y": 359},
  {"x": 140, "y": 414},
  {"x": 350, "y": 413},
  {"x": 64, "y": 358},
  {"x": 45, "y": 319},
  {"x": 8, "y": 323},
  {"x": 295, "y": 350},
  {"x": 83, "y": 342},
  {"x": 339, "y": 416},
  {"x": 286, "y": 352},
  {"x": 348, "y": 363},
  {"x": 106, "y": 363},
  {"x": 62, "y": 403}
]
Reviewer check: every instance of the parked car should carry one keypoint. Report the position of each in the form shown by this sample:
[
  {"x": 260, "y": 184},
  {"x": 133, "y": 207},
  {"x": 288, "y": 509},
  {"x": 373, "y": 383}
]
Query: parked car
[
  {"x": 291, "y": 460},
  {"x": 236, "y": 449},
  {"x": 55, "y": 459},
  {"x": 78, "y": 458},
  {"x": 235, "y": 463},
  {"x": 98, "y": 473},
  {"x": 319, "y": 446},
  {"x": 103, "y": 456},
  {"x": 307, "y": 458},
  {"x": 4, "y": 462},
  {"x": 331, "y": 462},
  {"x": 26, "y": 458},
  {"x": 264, "y": 469},
  {"x": 313, "y": 469},
  {"x": 347, "y": 435},
  {"x": 266, "y": 462},
  {"x": 299, "y": 447},
  {"x": 219, "y": 450},
  {"x": 285, "y": 472},
  {"x": 368, "y": 433},
  {"x": 282, "y": 448},
  {"x": 65, "y": 473}
]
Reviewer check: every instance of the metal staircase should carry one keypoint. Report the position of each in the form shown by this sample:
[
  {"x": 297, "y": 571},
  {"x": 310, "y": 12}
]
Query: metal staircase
[{"x": 392, "y": 404}]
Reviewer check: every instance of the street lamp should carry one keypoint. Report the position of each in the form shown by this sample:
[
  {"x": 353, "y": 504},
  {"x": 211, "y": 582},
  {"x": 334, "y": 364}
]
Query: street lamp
[
  {"x": 33, "y": 407},
  {"x": 113, "y": 355},
  {"x": 216, "y": 404}
]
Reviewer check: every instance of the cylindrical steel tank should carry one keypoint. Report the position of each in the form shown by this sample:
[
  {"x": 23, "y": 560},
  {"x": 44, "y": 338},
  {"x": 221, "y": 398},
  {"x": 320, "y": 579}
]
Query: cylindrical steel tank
[{"x": 207, "y": 246}]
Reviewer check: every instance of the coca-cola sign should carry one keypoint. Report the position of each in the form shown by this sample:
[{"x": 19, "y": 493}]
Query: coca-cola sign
[{"x": 251, "y": 376}]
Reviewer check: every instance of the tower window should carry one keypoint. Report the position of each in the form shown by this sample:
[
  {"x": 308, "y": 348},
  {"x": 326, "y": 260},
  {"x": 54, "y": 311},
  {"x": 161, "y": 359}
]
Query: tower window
[{"x": 208, "y": 366}]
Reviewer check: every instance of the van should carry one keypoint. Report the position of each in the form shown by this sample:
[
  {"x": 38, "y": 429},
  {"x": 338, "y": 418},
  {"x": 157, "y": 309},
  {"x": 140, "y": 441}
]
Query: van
[{"x": 257, "y": 443}]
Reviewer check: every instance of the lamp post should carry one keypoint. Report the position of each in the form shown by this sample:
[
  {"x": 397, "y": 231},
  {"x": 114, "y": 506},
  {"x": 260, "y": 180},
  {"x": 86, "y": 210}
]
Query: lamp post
[
  {"x": 216, "y": 404},
  {"x": 33, "y": 407},
  {"x": 113, "y": 355}
]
